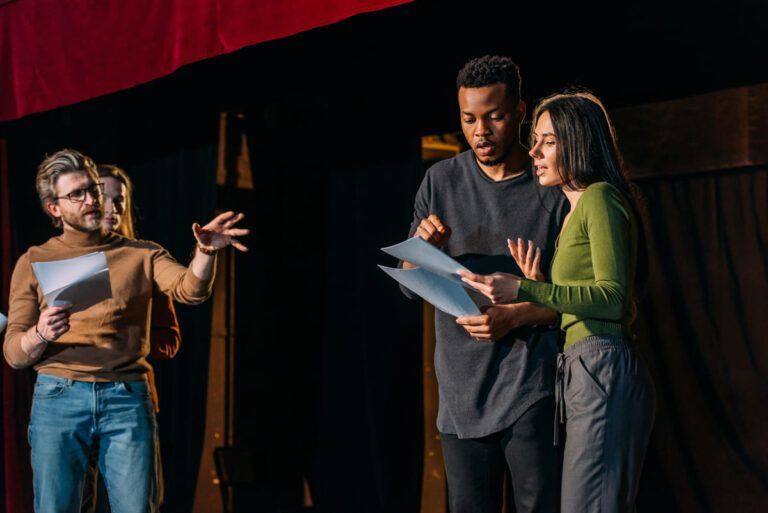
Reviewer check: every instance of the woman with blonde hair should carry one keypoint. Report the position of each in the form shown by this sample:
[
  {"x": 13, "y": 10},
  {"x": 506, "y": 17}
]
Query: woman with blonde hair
[{"x": 165, "y": 334}]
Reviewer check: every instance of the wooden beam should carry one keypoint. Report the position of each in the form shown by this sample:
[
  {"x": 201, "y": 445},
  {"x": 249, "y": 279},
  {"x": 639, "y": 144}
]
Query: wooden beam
[
  {"x": 433, "y": 477},
  {"x": 722, "y": 130}
]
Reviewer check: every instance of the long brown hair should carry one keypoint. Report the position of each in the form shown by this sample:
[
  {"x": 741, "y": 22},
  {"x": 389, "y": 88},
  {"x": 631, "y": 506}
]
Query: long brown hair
[
  {"x": 588, "y": 152},
  {"x": 126, "y": 227}
]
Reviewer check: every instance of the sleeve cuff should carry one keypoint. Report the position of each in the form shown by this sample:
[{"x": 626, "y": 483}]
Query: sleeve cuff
[{"x": 534, "y": 291}]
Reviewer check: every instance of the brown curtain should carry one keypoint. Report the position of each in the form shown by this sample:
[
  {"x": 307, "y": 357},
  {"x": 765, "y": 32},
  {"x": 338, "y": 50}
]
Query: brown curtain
[
  {"x": 702, "y": 164},
  {"x": 704, "y": 328}
]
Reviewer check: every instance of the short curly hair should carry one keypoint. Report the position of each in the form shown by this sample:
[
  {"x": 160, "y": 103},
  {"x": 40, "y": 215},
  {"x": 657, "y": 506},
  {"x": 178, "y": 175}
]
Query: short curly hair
[{"x": 491, "y": 69}]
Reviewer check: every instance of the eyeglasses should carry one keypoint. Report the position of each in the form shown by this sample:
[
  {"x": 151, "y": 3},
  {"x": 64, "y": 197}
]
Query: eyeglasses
[{"x": 78, "y": 195}]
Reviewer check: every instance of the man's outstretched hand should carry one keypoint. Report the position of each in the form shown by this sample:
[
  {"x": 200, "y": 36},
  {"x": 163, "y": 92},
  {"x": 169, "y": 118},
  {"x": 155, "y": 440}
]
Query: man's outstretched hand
[{"x": 220, "y": 232}]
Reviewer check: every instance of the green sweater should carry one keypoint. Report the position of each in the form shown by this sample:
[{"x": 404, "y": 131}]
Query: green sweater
[{"x": 593, "y": 270}]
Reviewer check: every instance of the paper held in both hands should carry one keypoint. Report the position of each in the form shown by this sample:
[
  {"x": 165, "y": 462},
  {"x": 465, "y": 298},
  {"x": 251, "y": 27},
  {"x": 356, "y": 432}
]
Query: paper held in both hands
[
  {"x": 81, "y": 281},
  {"x": 435, "y": 280}
]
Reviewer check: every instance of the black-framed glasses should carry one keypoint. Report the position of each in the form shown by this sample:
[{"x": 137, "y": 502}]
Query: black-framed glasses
[{"x": 78, "y": 195}]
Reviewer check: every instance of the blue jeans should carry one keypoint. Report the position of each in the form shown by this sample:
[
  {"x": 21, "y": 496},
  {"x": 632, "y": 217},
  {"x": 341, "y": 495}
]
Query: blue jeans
[{"x": 68, "y": 418}]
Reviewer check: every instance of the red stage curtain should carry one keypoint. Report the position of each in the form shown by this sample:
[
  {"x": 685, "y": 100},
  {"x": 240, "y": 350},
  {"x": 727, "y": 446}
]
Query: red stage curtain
[
  {"x": 55, "y": 53},
  {"x": 15, "y": 386}
]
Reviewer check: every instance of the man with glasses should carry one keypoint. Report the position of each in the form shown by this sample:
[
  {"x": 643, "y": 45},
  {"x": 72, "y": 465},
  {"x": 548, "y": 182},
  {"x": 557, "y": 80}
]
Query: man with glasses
[{"x": 91, "y": 389}]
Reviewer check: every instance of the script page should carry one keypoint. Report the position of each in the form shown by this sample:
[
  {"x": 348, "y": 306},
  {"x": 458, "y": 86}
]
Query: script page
[{"x": 81, "y": 281}]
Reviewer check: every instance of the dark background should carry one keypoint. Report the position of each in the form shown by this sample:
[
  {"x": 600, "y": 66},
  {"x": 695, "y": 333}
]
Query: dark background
[{"x": 328, "y": 352}]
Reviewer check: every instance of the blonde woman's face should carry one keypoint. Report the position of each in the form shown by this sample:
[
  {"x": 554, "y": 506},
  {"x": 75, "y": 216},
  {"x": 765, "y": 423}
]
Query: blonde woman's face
[{"x": 114, "y": 202}]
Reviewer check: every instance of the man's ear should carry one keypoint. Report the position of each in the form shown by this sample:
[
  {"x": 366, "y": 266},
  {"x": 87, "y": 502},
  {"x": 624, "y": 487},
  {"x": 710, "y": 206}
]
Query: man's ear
[
  {"x": 53, "y": 209},
  {"x": 521, "y": 109}
]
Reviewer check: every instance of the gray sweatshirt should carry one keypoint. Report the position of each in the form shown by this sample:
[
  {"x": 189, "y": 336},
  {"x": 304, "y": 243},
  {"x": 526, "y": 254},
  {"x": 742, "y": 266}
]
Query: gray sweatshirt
[{"x": 484, "y": 387}]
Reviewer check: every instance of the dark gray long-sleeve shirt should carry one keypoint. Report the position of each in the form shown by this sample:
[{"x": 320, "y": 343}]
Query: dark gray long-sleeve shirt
[{"x": 485, "y": 387}]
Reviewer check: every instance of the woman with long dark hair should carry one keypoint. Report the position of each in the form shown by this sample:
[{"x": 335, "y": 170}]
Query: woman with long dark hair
[{"x": 605, "y": 395}]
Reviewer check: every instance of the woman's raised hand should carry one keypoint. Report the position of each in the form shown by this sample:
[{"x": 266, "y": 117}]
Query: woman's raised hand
[{"x": 528, "y": 258}]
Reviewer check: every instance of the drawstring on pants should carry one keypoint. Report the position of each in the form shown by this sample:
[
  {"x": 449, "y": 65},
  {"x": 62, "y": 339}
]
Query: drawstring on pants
[{"x": 559, "y": 398}]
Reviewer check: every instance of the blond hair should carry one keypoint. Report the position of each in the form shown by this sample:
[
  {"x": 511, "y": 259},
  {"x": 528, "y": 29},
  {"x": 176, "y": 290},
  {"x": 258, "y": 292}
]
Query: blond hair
[{"x": 60, "y": 163}]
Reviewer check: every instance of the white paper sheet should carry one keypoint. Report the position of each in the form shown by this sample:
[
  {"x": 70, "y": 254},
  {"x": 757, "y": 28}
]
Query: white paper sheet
[
  {"x": 3, "y": 322},
  {"x": 445, "y": 294},
  {"x": 424, "y": 255},
  {"x": 82, "y": 281},
  {"x": 435, "y": 279}
]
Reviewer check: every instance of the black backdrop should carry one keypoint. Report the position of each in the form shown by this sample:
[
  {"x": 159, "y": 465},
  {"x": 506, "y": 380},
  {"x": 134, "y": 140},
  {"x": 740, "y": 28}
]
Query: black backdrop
[{"x": 328, "y": 367}]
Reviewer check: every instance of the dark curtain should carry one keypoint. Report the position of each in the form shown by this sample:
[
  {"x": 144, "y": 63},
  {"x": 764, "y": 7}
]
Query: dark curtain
[
  {"x": 704, "y": 328},
  {"x": 172, "y": 191},
  {"x": 328, "y": 351},
  {"x": 370, "y": 426},
  {"x": 16, "y": 386}
]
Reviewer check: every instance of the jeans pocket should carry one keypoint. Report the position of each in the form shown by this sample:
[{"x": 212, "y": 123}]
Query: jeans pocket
[
  {"x": 47, "y": 387},
  {"x": 138, "y": 388}
]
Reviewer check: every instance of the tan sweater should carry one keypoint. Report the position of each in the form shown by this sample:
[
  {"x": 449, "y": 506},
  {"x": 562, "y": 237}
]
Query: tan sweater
[{"x": 110, "y": 340}]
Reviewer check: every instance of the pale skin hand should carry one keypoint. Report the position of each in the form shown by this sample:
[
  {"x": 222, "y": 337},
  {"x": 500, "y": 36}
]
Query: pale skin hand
[
  {"x": 52, "y": 324},
  {"x": 433, "y": 230},
  {"x": 217, "y": 234},
  {"x": 498, "y": 287},
  {"x": 503, "y": 287},
  {"x": 527, "y": 258},
  {"x": 499, "y": 320}
]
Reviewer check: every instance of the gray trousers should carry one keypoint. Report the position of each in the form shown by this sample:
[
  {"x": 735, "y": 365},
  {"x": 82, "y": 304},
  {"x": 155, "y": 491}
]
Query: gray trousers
[{"x": 607, "y": 401}]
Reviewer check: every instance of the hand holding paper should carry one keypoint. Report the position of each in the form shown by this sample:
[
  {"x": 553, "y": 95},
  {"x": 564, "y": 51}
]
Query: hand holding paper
[
  {"x": 498, "y": 287},
  {"x": 79, "y": 282},
  {"x": 436, "y": 280},
  {"x": 53, "y": 322},
  {"x": 433, "y": 230}
]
